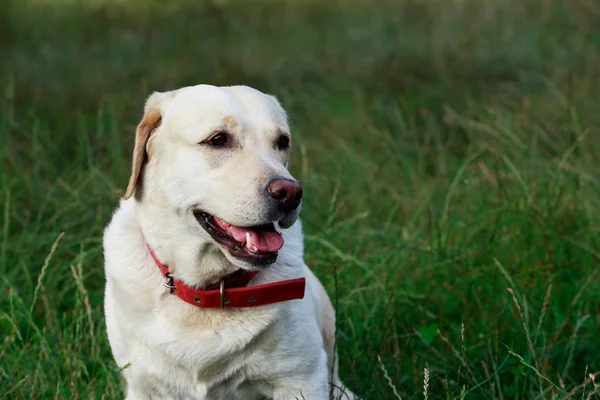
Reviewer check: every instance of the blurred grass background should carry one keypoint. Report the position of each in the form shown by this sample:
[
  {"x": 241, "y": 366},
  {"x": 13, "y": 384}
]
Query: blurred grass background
[{"x": 448, "y": 151}]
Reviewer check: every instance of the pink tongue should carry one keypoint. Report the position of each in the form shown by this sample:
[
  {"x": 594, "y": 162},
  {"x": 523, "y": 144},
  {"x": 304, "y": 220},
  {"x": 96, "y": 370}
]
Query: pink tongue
[{"x": 265, "y": 241}]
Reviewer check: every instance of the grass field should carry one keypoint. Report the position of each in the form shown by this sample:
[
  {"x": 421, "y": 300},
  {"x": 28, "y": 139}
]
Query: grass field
[{"x": 448, "y": 151}]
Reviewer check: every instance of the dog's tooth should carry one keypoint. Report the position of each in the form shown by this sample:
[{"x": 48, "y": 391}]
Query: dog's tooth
[
  {"x": 249, "y": 240},
  {"x": 254, "y": 249}
]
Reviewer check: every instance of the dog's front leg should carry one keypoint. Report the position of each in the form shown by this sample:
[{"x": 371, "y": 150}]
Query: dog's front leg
[
  {"x": 305, "y": 391},
  {"x": 312, "y": 387}
]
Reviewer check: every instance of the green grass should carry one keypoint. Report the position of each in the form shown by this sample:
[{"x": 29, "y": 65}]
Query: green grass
[{"x": 448, "y": 151}]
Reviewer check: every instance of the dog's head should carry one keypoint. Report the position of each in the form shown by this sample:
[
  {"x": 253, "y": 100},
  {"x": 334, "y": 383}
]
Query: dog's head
[{"x": 217, "y": 158}]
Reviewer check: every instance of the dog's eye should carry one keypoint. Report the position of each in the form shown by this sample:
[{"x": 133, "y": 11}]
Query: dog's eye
[
  {"x": 218, "y": 140},
  {"x": 283, "y": 142}
]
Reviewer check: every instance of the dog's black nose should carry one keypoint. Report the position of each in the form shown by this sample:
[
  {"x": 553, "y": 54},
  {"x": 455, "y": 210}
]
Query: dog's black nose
[{"x": 287, "y": 193}]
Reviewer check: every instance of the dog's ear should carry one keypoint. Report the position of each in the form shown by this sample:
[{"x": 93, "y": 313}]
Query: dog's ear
[{"x": 153, "y": 113}]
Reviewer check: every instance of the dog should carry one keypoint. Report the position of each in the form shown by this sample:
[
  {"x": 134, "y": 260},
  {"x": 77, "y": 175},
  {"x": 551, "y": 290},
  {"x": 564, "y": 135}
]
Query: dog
[{"x": 207, "y": 294}]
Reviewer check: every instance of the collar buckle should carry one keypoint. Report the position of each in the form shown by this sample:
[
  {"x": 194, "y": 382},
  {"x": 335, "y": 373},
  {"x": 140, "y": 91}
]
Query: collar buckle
[
  {"x": 168, "y": 283},
  {"x": 224, "y": 301}
]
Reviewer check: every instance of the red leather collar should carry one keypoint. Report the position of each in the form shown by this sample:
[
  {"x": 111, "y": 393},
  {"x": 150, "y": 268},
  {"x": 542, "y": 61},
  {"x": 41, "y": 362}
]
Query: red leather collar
[{"x": 233, "y": 292}]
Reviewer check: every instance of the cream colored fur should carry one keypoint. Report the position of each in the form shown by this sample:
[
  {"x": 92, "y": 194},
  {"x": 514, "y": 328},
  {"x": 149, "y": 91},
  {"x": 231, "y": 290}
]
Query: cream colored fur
[{"x": 167, "y": 348}]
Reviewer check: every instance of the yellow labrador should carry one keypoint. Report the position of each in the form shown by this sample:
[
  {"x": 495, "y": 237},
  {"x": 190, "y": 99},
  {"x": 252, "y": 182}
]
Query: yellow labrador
[{"x": 207, "y": 293}]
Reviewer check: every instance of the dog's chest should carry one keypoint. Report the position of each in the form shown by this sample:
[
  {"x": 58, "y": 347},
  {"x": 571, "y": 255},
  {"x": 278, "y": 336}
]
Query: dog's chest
[
  {"x": 225, "y": 378},
  {"x": 230, "y": 363},
  {"x": 177, "y": 387},
  {"x": 238, "y": 388}
]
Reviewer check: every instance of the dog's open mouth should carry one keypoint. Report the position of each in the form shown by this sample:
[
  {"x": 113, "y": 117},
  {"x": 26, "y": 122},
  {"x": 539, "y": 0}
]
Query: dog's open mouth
[{"x": 257, "y": 245}]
